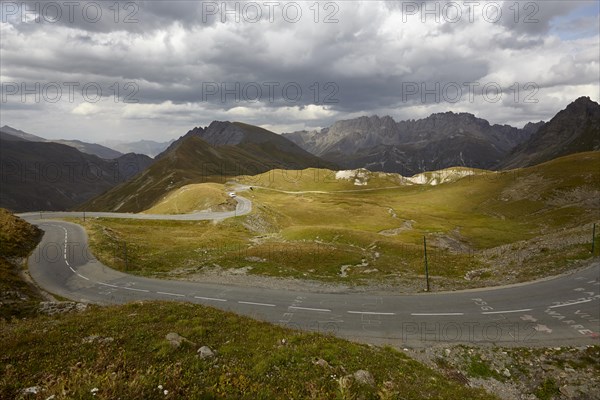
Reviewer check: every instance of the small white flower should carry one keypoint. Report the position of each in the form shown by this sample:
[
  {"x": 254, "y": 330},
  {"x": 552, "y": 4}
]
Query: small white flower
[
  {"x": 166, "y": 392},
  {"x": 94, "y": 391},
  {"x": 160, "y": 387}
]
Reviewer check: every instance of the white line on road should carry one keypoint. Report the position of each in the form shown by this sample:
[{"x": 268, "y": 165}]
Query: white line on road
[
  {"x": 71, "y": 268},
  {"x": 571, "y": 304},
  {"x": 371, "y": 313},
  {"x": 105, "y": 284},
  {"x": 172, "y": 294},
  {"x": 434, "y": 314},
  {"x": 208, "y": 298},
  {"x": 506, "y": 311},
  {"x": 137, "y": 290},
  {"x": 310, "y": 309},
  {"x": 81, "y": 276},
  {"x": 256, "y": 304}
]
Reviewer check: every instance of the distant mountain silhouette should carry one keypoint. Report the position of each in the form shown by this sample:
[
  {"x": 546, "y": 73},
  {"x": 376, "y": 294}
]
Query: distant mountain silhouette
[
  {"x": 38, "y": 175},
  {"x": 573, "y": 130},
  {"x": 439, "y": 141}
]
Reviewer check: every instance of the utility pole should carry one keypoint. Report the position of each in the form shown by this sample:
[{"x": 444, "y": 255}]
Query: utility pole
[
  {"x": 593, "y": 238},
  {"x": 125, "y": 254},
  {"x": 426, "y": 266}
]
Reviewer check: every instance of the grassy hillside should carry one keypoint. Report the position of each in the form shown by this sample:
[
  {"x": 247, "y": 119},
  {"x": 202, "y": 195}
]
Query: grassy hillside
[
  {"x": 17, "y": 238},
  {"x": 193, "y": 161},
  {"x": 325, "y": 180},
  {"x": 481, "y": 229},
  {"x": 191, "y": 198},
  {"x": 122, "y": 352}
]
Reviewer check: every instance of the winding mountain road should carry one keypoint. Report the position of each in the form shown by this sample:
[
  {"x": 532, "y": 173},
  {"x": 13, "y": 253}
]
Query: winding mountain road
[{"x": 560, "y": 311}]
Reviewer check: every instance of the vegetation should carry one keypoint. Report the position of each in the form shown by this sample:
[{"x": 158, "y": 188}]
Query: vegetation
[
  {"x": 191, "y": 198},
  {"x": 530, "y": 372},
  {"x": 121, "y": 352},
  {"x": 547, "y": 390},
  {"x": 17, "y": 239},
  {"x": 480, "y": 229}
]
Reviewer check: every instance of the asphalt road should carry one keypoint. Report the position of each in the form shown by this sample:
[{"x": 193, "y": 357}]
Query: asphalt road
[
  {"x": 243, "y": 207},
  {"x": 561, "y": 311}
]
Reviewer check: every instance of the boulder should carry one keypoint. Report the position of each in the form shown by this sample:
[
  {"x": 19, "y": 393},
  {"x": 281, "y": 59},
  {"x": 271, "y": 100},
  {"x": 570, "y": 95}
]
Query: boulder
[
  {"x": 364, "y": 377},
  {"x": 205, "y": 352}
]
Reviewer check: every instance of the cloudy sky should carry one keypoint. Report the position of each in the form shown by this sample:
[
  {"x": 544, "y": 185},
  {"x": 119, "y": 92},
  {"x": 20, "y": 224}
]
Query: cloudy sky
[{"x": 97, "y": 71}]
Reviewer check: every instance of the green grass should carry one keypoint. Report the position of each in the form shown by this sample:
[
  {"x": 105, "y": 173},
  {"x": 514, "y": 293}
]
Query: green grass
[
  {"x": 157, "y": 247},
  {"x": 478, "y": 368},
  {"x": 17, "y": 237},
  {"x": 303, "y": 226},
  {"x": 191, "y": 198},
  {"x": 547, "y": 390},
  {"x": 251, "y": 360},
  {"x": 18, "y": 299}
]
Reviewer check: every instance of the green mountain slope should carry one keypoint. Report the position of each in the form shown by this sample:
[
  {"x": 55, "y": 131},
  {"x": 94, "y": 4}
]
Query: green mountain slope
[{"x": 215, "y": 154}]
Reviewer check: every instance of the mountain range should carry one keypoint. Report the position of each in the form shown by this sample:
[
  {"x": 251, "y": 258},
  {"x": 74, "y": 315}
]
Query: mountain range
[
  {"x": 451, "y": 139},
  {"x": 223, "y": 150},
  {"x": 42, "y": 175},
  {"x": 12, "y": 134},
  {"x": 408, "y": 147},
  {"x": 110, "y": 151},
  {"x": 150, "y": 148}
]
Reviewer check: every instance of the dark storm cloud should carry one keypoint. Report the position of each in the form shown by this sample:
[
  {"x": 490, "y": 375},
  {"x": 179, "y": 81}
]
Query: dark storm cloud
[
  {"x": 108, "y": 16},
  {"x": 173, "y": 52}
]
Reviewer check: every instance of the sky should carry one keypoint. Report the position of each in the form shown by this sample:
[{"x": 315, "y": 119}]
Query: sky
[{"x": 130, "y": 70}]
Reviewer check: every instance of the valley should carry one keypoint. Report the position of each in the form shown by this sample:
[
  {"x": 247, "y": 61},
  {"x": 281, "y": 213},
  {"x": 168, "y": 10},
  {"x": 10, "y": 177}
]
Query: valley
[{"x": 362, "y": 228}]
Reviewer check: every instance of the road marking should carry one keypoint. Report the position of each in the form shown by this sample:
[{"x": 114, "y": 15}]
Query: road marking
[
  {"x": 66, "y": 262},
  {"x": 310, "y": 309},
  {"x": 371, "y": 313},
  {"x": 542, "y": 328},
  {"x": 107, "y": 284},
  {"x": 507, "y": 311},
  {"x": 570, "y": 304},
  {"x": 71, "y": 268},
  {"x": 137, "y": 290},
  {"x": 256, "y": 304},
  {"x": 528, "y": 317},
  {"x": 208, "y": 298},
  {"x": 433, "y": 314},
  {"x": 81, "y": 276},
  {"x": 172, "y": 294}
]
